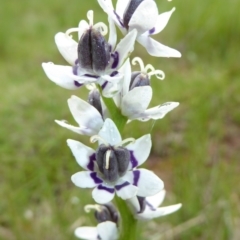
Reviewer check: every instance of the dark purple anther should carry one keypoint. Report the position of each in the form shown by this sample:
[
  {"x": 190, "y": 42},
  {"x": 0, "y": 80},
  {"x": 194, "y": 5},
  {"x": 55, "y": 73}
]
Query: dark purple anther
[
  {"x": 112, "y": 162},
  {"x": 94, "y": 99},
  {"x": 107, "y": 212},
  {"x": 139, "y": 79}
]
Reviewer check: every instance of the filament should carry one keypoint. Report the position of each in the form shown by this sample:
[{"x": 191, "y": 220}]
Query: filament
[
  {"x": 102, "y": 27},
  {"x": 95, "y": 138},
  {"x": 71, "y": 30},
  {"x": 89, "y": 207},
  {"x": 140, "y": 62},
  {"x": 158, "y": 73},
  {"x": 108, "y": 159},
  {"x": 90, "y": 17},
  {"x": 131, "y": 140}
]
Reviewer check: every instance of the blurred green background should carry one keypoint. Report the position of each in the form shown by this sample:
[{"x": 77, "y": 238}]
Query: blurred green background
[{"x": 195, "y": 148}]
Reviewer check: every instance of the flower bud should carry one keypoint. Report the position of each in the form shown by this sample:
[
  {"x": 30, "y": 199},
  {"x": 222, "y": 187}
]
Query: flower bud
[
  {"x": 112, "y": 162},
  {"x": 130, "y": 9},
  {"x": 139, "y": 79},
  {"x": 93, "y": 51},
  {"x": 108, "y": 213},
  {"x": 95, "y": 100}
]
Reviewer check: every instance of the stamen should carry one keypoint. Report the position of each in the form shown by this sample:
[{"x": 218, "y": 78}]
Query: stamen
[
  {"x": 108, "y": 159},
  {"x": 90, "y": 17},
  {"x": 149, "y": 67},
  {"x": 102, "y": 27},
  {"x": 140, "y": 62},
  {"x": 131, "y": 140},
  {"x": 71, "y": 30},
  {"x": 158, "y": 73},
  {"x": 89, "y": 207},
  {"x": 95, "y": 138},
  {"x": 90, "y": 86}
]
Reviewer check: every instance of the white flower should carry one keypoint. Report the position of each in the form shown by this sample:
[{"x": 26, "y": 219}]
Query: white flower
[
  {"x": 148, "y": 208},
  {"x": 89, "y": 119},
  {"x": 112, "y": 168},
  {"x": 104, "y": 231},
  {"x": 103, "y": 64},
  {"x": 133, "y": 103},
  {"x": 143, "y": 16}
]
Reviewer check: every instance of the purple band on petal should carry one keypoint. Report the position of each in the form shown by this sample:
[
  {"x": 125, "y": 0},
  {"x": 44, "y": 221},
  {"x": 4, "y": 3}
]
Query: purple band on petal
[
  {"x": 76, "y": 61},
  {"x": 92, "y": 158},
  {"x": 89, "y": 75},
  {"x": 110, "y": 190},
  {"x": 104, "y": 85},
  {"x": 75, "y": 70},
  {"x": 119, "y": 187},
  {"x": 136, "y": 176},
  {"x": 150, "y": 206},
  {"x": 119, "y": 19},
  {"x": 151, "y": 31},
  {"x": 77, "y": 84},
  {"x": 115, "y": 57},
  {"x": 133, "y": 160},
  {"x": 114, "y": 73},
  {"x": 95, "y": 178}
]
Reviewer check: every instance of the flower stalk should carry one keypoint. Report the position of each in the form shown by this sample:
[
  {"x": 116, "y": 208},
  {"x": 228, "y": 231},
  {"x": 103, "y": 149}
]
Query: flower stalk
[{"x": 117, "y": 96}]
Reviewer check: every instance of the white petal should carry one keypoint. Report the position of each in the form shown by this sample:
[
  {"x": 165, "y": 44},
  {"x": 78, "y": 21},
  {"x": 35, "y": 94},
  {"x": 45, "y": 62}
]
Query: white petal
[
  {"x": 79, "y": 130},
  {"x": 140, "y": 150},
  {"x": 110, "y": 89},
  {"x": 107, "y": 7},
  {"x": 110, "y": 133},
  {"x": 107, "y": 230},
  {"x": 145, "y": 16},
  {"x": 121, "y": 7},
  {"x": 103, "y": 194},
  {"x": 125, "y": 47},
  {"x": 162, "y": 21},
  {"x": 159, "y": 212},
  {"x": 88, "y": 233},
  {"x": 83, "y": 154},
  {"x": 157, "y": 199},
  {"x": 85, "y": 179},
  {"x": 67, "y": 47},
  {"x": 61, "y": 75},
  {"x": 112, "y": 33},
  {"x": 134, "y": 205},
  {"x": 85, "y": 114},
  {"x": 159, "y": 111},
  {"x": 125, "y": 190},
  {"x": 157, "y": 49},
  {"x": 136, "y": 101},
  {"x": 83, "y": 26},
  {"x": 127, "y": 77},
  {"x": 114, "y": 79},
  {"x": 147, "y": 182}
]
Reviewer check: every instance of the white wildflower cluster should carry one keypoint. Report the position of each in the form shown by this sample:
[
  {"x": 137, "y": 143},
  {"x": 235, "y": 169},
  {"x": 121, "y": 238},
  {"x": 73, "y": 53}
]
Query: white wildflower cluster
[{"x": 104, "y": 67}]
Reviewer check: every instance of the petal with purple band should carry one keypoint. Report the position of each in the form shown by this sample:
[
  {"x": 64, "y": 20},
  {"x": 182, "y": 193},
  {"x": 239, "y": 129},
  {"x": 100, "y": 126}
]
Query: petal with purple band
[
  {"x": 148, "y": 183},
  {"x": 61, "y": 75},
  {"x": 141, "y": 19},
  {"x": 125, "y": 190},
  {"x": 85, "y": 179},
  {"x": 162, "y": 21},
  {"x": 82, "y": 153},
  {"x": 103, "y": 194},
  {"x": 139, "y": 150}
]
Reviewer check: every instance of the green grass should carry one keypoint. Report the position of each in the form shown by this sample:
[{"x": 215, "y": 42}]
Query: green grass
[{"x": 195, "y": 148}]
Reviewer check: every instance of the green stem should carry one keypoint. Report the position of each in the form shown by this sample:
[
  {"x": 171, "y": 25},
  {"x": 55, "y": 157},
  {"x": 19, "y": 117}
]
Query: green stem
[{"x": 129, "y": 225}]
